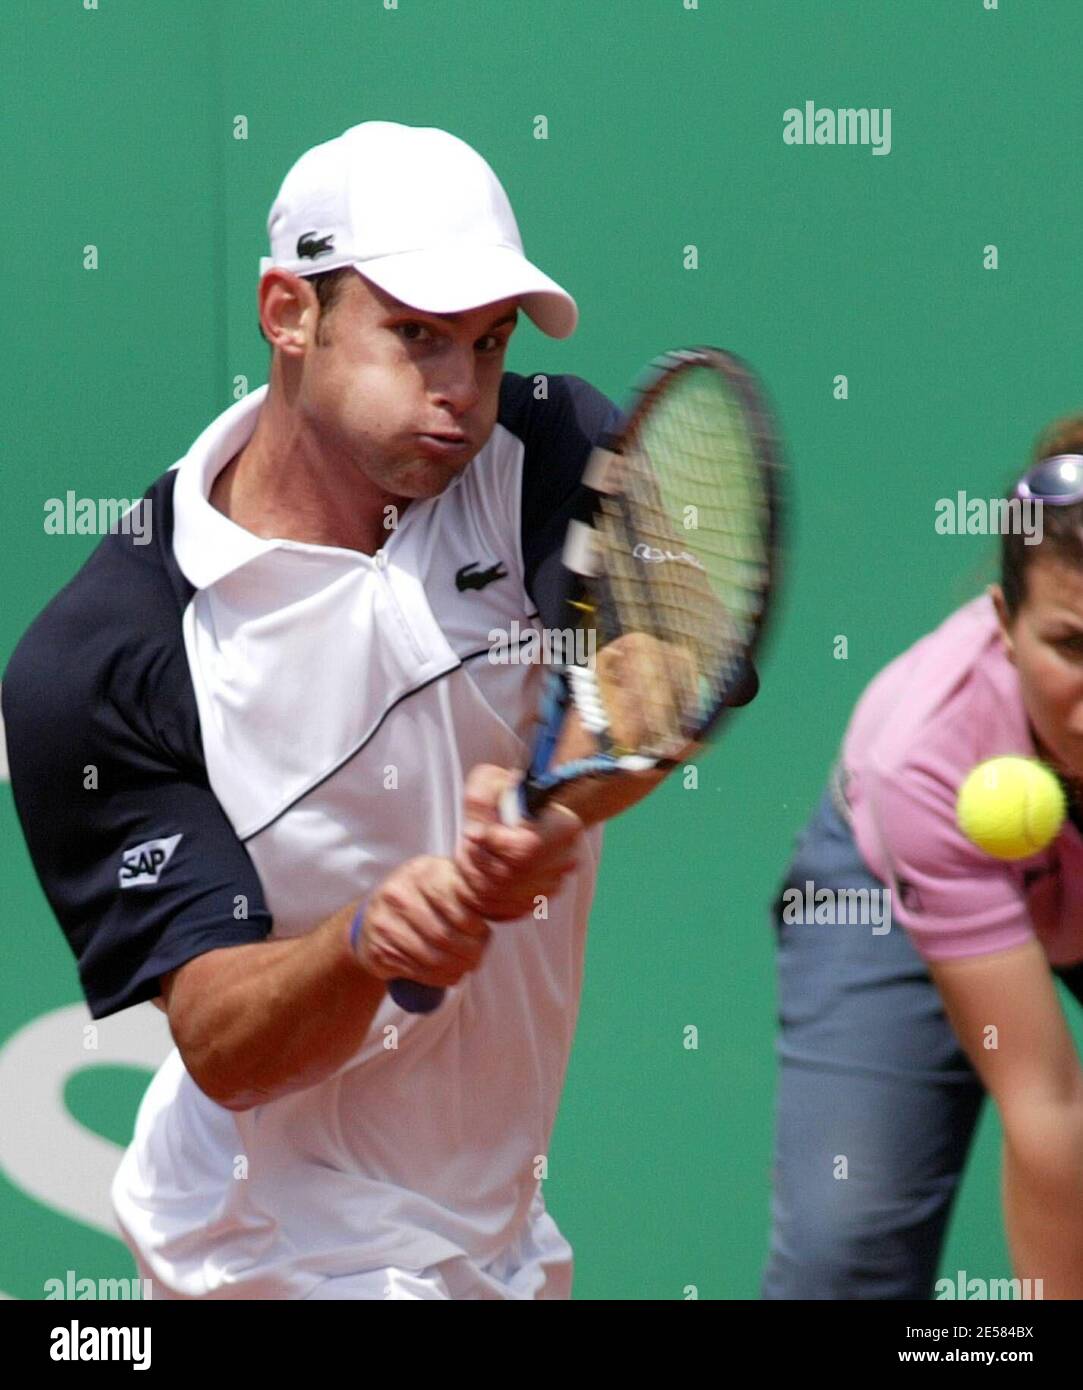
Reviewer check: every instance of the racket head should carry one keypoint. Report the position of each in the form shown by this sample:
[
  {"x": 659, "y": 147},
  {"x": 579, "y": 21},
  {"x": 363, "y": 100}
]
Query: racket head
[
  {"x": 687, "y": 541},
  {"x": 679, "y": 560}
]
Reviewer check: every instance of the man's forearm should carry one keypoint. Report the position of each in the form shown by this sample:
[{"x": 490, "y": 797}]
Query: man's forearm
[
  {"x": 601, "y": 798},
  {"x": 257, "y": 1022},
  {"x": 1043, "y": 1198}
]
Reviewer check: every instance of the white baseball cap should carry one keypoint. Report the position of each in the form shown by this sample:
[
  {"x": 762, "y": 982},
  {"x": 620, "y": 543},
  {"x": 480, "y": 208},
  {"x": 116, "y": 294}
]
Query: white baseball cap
[{"x": 417, "y": 212}]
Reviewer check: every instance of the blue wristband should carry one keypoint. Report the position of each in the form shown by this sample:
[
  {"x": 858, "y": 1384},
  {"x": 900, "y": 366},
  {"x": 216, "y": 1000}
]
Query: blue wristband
[{"x": 356, "y": 926}]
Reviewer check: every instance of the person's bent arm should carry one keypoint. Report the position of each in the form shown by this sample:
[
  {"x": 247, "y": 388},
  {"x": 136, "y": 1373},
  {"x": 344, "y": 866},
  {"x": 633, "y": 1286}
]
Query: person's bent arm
[
  {"x": 249, "y": 1020},
  {"x": 260, "y": 1021},
  {"x": 1031, "y": 1068}
]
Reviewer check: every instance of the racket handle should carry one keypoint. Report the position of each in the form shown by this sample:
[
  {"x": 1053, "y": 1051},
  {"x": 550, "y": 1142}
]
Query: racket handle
[
  {"x": 415, "y": 998},
  {"x": 512, "y": 807},
  {"x": 522, "y": 802},
  {"x": 423, "y": 999}
]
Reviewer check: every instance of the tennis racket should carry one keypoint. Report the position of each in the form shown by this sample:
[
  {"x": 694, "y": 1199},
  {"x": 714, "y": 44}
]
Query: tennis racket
[{"x": 671, "y": 567}]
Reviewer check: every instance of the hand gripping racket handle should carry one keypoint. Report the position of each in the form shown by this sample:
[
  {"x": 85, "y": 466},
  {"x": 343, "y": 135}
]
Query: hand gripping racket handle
[
  {"x": 415, "y": 998},
  {"x": 423, "y": 999},
  {"x": 407, "y": 994}
]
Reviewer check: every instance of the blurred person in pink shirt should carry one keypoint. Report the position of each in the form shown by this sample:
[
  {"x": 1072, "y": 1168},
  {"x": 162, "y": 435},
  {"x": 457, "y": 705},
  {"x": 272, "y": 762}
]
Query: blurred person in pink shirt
[{"x": 916, "y": 972}]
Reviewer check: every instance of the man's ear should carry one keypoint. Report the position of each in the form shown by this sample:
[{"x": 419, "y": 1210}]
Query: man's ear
[
  {"x": 289, "y": 312},
  {"x": 996, "y": 593}
]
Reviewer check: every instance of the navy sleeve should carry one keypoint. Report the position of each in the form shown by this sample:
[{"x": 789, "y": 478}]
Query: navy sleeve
[
  {"x": 558, "y": 435},
  {"x": 133, "y": 851}
]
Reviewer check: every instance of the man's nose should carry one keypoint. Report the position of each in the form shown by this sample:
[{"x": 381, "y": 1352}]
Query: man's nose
[{"x": 457, "y": 381}]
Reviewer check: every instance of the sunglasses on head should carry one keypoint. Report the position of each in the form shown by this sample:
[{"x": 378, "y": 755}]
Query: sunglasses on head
[{"x": 1057, "y": 479}]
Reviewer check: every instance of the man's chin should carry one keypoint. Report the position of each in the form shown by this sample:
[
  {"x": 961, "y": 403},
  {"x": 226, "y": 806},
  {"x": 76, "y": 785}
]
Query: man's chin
[{"x": 426, "y": 477}]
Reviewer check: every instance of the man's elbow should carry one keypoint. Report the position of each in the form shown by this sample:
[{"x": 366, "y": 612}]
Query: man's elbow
[
  {"x": 214, "y": 1073},
  {"x": 198, "y": 1035},
  {"x": 207, "y": 1061}
]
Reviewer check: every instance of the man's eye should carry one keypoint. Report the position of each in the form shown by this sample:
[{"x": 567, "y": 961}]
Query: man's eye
[
  {"x": 1072, "y": 646},
  {"x": 408, "y": 331},
  {"x": 496, "y": 343}
]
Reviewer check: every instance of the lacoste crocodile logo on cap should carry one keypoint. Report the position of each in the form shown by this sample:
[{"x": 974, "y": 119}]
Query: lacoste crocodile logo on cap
[{"x": 310, "y": 245}]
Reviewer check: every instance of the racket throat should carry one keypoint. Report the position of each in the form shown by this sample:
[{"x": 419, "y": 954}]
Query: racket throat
[{"x": 587, "y": 700}]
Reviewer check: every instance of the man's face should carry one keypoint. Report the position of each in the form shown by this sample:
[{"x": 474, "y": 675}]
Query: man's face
[
  {"x": 1045, "y": 643},
  {"x": 380, "y": 379}
]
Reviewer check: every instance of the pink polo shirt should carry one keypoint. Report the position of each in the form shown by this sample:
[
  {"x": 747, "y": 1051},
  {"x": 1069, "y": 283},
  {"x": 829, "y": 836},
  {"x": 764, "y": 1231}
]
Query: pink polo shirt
[{"x": 947, "y": 703}]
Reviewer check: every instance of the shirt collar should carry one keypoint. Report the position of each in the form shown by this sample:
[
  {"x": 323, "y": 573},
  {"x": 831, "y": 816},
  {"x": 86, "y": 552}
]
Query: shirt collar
[{"x": 208, "y": 546}]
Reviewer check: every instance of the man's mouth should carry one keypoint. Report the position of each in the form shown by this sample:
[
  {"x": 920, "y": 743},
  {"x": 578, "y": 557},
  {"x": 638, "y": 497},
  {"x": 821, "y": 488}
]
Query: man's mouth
[{"x": 445, "y": 445}]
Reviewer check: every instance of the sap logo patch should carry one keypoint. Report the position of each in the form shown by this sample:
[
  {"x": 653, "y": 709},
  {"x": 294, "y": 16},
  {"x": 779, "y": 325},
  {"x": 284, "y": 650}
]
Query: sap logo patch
[{"x": 142, "y": 864}]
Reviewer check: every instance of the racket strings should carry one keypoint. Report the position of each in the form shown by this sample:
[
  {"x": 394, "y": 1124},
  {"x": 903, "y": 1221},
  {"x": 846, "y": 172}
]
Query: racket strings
[{"x": 685, "y": 557}]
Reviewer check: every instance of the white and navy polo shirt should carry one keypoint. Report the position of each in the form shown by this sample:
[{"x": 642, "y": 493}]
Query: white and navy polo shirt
[{"x": 273, "y": 727}]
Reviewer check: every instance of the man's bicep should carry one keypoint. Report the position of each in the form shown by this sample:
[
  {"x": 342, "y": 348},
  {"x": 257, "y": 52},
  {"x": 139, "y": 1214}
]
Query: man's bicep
[
  {"x": 143, "y": 873},
  {"x": 165, "y": 987},
  {"x": 205, "y": 896},
  {"x": 198, "y": 977}
]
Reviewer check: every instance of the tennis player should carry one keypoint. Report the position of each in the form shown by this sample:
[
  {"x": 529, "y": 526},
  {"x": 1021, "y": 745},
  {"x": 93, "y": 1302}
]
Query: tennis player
[
  {"x": 890, "y": 1038},
  {"x": 257, "y": 763}
]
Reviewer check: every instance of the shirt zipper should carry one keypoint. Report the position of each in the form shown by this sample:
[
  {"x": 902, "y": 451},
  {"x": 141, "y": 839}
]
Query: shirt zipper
[{"x": 380, "y": 560}]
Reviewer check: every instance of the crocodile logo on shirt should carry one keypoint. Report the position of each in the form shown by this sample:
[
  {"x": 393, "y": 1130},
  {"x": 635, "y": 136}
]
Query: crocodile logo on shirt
[
  {"x": 309, "y": 245},
  {"x": 470, "y": 577}
]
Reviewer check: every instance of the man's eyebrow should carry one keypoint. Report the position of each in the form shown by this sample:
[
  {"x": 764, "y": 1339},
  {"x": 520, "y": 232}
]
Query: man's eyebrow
[{"x": 512, "y": 316}]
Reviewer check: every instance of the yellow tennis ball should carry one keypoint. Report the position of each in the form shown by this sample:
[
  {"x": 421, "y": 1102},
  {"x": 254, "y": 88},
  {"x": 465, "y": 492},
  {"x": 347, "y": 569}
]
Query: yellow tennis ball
[{"x": 1011, "y": 807}]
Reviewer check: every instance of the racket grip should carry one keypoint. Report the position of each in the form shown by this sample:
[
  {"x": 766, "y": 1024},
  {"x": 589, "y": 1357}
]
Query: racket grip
[
  {"x": 524, "y": 801},
  {"x": 423, "y": 999},
  {"x": 513, "y": 809},
  {"x": 415, "y": 998}
]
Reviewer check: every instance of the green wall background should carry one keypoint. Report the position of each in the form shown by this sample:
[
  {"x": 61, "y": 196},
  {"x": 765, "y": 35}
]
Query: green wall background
[{"x": 665, "y": 129}]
